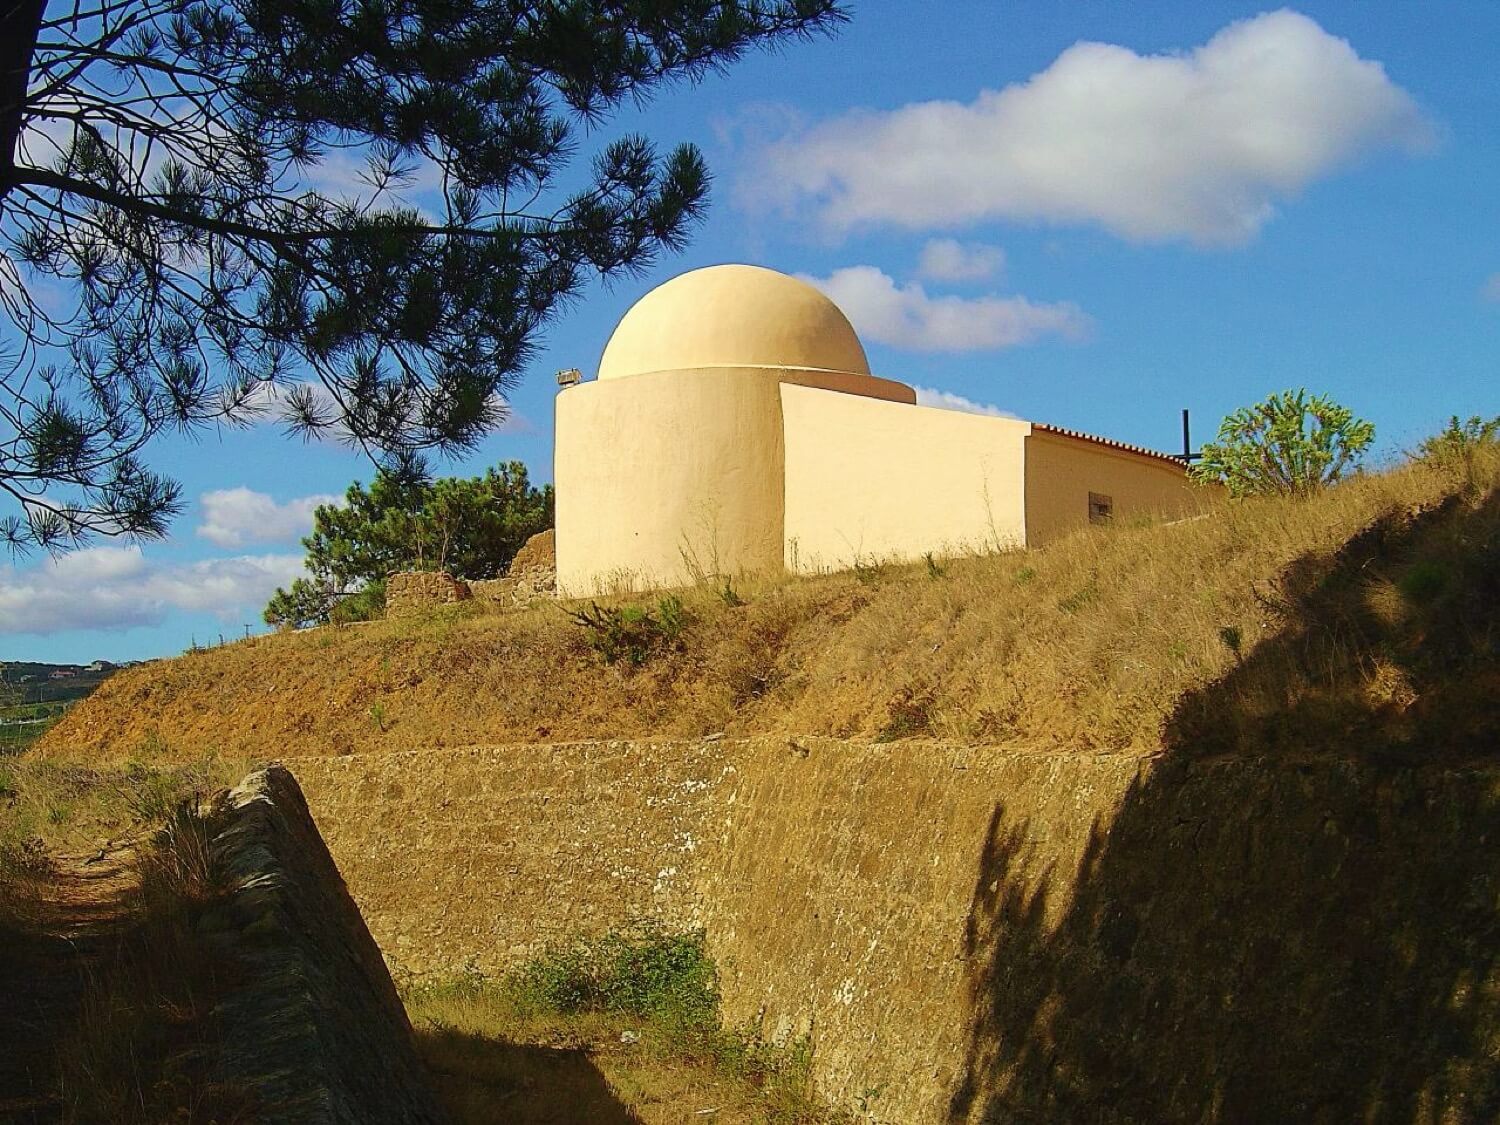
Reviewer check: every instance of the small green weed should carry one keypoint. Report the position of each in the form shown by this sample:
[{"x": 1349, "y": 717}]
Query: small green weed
[
  {"x": 1424, "y": 581},
  {"x": 908, "y": 714},
  {"x": 1081, "y": 598},
  {"x": 935, "y": 569},
  {"x": 632, "y": 634}
]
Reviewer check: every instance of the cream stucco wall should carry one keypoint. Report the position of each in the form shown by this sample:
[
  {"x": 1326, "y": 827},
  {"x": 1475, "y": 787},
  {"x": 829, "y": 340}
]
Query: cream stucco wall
[
  {"x": 1062, "y": 471},
  {"x": 662, "y": 478},
  {"x": 870, "y": 480},
  {"x": 734, "y": 428}
]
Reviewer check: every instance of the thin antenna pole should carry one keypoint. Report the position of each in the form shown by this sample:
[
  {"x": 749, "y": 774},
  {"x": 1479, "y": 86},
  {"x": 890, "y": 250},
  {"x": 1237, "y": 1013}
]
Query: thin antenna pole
[{"x": 1187, "y": 441}]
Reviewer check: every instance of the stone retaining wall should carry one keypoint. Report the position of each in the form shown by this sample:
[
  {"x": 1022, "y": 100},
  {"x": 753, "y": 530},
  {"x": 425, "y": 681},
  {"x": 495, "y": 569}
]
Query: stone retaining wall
[
  {"x": 313, "y": 1025},
  {"x": 986, "y": 934}
]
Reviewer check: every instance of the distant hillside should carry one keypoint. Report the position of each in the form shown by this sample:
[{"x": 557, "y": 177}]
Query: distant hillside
[
  {"x": 1366, "y": 616},
  {"x": 31, "y": 681},
  {"x": 34, "y": 695}
]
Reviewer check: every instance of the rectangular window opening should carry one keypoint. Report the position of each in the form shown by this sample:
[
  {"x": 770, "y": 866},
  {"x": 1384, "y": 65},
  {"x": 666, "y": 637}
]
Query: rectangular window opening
[{"x": 1101, "y": 508}]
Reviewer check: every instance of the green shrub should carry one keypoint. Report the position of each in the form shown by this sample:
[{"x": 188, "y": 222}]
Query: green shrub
[
  {"x": 1424, "y": 581},
  {"x": 653, "y": 974},
  {"x": 643, "y": 971},
  {"x": 1459, "y": 440},
  {"x": 1290, "y": 444},
  {"x": 561, "y": 980},
  {"x": 632, "y": 633},
  {"x": 1460, "y": 446}
]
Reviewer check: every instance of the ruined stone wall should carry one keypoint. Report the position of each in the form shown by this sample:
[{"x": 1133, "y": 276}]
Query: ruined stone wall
[
  {"x": 987, "y": 934},
  {"x": 516, "y": 590},
  {"x": 537, "y": 553},
  {"x": 412, "y": 593},
  {"x": 532, "y": 574}
]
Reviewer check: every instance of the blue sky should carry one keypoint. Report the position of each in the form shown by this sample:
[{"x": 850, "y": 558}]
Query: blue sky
[{"x": 1087, "y": 214}]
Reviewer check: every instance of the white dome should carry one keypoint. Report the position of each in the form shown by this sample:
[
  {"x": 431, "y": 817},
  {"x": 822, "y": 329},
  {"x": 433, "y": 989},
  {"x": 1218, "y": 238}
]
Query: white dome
[{"x": 733, "y": 316}]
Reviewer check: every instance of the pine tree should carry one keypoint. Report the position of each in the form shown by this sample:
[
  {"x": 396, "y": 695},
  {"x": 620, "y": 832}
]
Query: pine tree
[
  {"x": 164, "y": 175},
  {"x": 471, "y": 528}
]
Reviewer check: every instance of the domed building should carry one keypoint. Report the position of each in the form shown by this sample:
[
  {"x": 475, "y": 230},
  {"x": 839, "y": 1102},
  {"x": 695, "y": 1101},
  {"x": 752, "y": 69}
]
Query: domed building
[{"x": 735, "y": 428}]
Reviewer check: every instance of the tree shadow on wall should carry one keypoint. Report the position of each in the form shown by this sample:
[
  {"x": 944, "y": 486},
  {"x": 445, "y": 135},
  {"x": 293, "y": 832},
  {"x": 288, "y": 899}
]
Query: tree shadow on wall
[{"x": 1294, "y": 915}]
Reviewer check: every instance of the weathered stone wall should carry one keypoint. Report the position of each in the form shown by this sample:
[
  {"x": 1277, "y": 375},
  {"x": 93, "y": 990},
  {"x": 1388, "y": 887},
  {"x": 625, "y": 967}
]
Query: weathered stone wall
[
  {"x": 537, "y": 553},
  {"x": 834, "y": 880},
  {"x": 411, "y": 593},
  {"x": 532, "y": 574},
  {"x": 516, "y": 590},
  {"x": 447, "y": 852},
  {"x": 313, "y": 1024},
  {"x": 987, "y": 934}
]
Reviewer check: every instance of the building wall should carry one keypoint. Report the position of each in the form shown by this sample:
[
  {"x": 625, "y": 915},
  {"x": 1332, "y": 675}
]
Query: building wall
[
  {"x": 664, "y": 477},
  {"x": 664, "y": 474},
  {"x": 871, "y": 480},
  {"x": 1062, "y": 471}
]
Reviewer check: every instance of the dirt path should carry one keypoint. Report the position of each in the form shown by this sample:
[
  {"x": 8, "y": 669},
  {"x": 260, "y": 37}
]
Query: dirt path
[{"x": 49, "y": 944}]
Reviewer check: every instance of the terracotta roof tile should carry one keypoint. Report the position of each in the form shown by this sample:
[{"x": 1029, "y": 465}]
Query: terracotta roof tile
[{"x": 1124, "y": 447}]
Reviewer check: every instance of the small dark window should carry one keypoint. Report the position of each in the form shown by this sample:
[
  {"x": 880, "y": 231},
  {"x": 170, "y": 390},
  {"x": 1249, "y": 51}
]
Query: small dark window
[{"x": 1101, "y": 508}]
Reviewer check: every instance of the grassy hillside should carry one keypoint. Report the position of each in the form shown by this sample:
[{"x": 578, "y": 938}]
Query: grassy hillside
[{"x": 1368, "y": 615}]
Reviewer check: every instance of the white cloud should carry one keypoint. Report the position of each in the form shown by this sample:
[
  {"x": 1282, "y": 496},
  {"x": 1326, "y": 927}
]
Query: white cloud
[
  {"x": 947, "y": 400},
  {"x": 234, "y": 517},
  {"x": 947, "y": 259},
  {"x": 907, "y": 317},
  {"x": 119, "y": 588},
  {"x": 1490, "y": 290},
  {"x": 1199, "y": 146}
]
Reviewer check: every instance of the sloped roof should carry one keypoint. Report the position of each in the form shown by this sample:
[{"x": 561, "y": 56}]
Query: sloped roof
[{"x": 1123, "y": 447}]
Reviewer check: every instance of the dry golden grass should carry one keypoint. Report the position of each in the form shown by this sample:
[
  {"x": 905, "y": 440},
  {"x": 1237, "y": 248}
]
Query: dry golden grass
[
  {"x": 50, "y": 807},
  {"x": 1106, "y": 640},
  {"x": 494, "y": 1060},
  {"x": 109, "y": 987}
]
